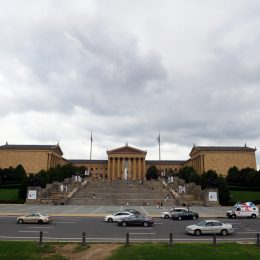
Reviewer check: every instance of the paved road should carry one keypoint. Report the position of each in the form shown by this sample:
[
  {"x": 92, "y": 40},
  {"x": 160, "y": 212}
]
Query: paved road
[
  {"x": 71, "y": 228},
  {"x": 77, "y": 210}
]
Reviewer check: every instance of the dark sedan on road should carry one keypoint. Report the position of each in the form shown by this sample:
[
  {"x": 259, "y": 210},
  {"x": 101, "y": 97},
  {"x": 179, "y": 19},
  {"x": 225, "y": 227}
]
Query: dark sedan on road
[
  {"x": 134, "y": 211},
  {"x": 136, "y": 220},
  {"x": 185, "y": 215}
]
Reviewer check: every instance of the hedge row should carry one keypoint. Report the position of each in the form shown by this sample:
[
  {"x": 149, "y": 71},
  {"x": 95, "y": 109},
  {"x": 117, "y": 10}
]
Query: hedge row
[
  {"x": 19, "y": 201},
  {"x": 10, "y": 186},
  {"x": 239, "y": 188}
]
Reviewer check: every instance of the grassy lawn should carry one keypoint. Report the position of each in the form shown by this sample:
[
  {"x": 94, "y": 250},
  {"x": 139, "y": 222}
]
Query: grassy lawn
[
  {"x": 183, "y": 251},
  {"x": 245, "y": 195},
  {"x": 27, "y": 251},
  {"x": 187, "y": 251},
  {"x": 9, "y": 194}
]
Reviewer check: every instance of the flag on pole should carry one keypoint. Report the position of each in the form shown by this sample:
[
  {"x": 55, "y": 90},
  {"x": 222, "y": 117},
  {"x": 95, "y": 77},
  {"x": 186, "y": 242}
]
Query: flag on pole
[
  {"x": 159, "y": 138},
  {"x": 91, "y": 139}
]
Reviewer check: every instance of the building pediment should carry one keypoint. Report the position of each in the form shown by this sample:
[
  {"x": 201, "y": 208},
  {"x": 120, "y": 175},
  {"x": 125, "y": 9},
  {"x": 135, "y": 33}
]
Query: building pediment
[
  {"x": 197, "y": 149},
  {"x": 126, "y": 150}
]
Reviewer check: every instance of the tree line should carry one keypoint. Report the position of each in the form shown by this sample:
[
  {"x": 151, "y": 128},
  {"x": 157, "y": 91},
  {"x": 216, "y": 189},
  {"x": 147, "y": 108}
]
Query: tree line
[{"x": 18, "y": 176}]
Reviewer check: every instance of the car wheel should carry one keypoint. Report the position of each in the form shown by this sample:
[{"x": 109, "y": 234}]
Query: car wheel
[
  {"x": 40, "y": 221},
  {"x": 145, "y": 224},
  {"x": 179, "y": 218},
  {"x": 123, "y": 224},
  {"x": 253, "y": 216},
  {"x": 224, "y": 232},
  {"x": 197, "y": 232},
  {"x": 20, "y": 221},
  {"x": 194, "y": 217},
  {"x": 233, "y": 216},
  {"x": 166, "y": 216},
  {"x": 110, "y": 220}
]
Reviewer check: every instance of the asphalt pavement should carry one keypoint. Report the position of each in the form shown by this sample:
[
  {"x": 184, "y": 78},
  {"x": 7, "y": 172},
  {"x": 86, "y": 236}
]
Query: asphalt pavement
[{"x": 99, "y": 211}]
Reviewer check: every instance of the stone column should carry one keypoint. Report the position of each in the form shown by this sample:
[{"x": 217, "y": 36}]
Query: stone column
[
  {"x": 123, "y": 168},
  {"x": 118, "y": 167},
  {"x": 134, "y": 168},
  {"x": 113, "y": 169},
  {"x": 129, "y": 168},
  {"x": 143, "y": 176},
  {"x": 139, "y": 168},
  {"x": 108, "y": 168}
]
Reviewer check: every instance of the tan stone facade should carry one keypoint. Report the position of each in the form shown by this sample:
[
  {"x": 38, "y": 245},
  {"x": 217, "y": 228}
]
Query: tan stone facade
[
  {"x": 127, "y": 162},
  {"x": 33, "y": 157},
  {"x": 221, "y": 159}
]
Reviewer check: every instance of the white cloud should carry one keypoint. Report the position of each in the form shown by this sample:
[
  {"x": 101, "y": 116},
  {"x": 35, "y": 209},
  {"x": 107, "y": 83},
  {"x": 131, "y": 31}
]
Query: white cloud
[{"x": 127, "y": 69}]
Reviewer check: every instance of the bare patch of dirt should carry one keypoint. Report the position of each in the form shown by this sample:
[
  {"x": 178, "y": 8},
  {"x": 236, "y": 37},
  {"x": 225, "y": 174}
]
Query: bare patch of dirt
[{"x": 94, "y": 252}]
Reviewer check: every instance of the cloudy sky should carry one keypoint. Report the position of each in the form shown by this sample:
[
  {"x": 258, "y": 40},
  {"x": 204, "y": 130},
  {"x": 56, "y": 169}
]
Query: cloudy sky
[{"x": 127, "y": 69}]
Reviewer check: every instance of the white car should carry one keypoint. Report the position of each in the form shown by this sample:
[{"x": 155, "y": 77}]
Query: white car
[
  {"x": 118, "y": 215},
  {"x": 171, "y": 212},
  {"x": 210, "y": 227}
]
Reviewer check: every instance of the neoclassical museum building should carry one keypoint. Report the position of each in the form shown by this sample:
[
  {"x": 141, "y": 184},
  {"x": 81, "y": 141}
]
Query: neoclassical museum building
[{"x": 128, "y": 162}]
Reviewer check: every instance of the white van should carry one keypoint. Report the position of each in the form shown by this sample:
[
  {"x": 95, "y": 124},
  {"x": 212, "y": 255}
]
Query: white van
[{"x": 246, "y": 210}]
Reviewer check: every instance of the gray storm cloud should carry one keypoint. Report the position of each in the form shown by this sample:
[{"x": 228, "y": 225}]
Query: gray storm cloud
[{"x": 125, "y": 73}]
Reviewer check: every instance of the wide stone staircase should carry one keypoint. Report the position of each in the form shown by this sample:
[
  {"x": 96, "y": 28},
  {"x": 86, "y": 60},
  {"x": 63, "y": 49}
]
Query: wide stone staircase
[{"x": 119, "y": 192}]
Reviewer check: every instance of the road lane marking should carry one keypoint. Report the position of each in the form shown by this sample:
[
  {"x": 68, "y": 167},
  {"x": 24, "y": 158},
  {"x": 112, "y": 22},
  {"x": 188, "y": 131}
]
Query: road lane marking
[
  {"x": 32, "y": 231},
  {"x": 65, "y": 222},
  {"x": 73, "y": 210},
  {"x": 247, "y": 232},
  {"x": 94, "y": 211},
  {"x": 145, "y": 211},
  {"x": 142, "y": 233},
  {"x": 40, "y": 227},
  {"x": 140, "y": 228}
]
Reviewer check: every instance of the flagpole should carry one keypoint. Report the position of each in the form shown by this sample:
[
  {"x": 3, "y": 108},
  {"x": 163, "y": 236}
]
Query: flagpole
[
  {"x": 159, "y": 140},
  {"x": 91, "y": 140}
]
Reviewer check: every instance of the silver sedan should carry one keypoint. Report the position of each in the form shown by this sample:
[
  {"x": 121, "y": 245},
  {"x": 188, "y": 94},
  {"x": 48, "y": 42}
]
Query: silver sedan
[{"x": 210, "y": 227}]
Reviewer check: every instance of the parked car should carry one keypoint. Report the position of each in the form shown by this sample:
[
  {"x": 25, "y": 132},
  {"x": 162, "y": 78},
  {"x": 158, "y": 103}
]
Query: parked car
[
  {"x": 243, "y": 210},
  {"x": 185, "y": 215},
  {"x": 210, "y": 227},
  {"x": 136, "y": 220},
  {"x": 118, "y": 215},
  {"x": 134, "y": 211},
  {"x": 169, "y": 213},
  {"x": 38, "y": 218}
]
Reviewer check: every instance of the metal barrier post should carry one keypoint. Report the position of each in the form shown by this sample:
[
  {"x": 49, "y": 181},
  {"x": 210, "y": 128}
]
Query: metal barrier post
[
  {"x": 214, "y": 239},
  {"x": 171, "y": 240},
  {"x": 40, "y": 239},
  {"x": 83, "y": 239},
  {"x": 127, "y": 239},
  {"x": 258, "y": 240}
]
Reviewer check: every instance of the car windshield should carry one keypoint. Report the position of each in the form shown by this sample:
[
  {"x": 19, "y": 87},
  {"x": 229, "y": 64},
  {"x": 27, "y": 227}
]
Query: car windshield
[{"x": 202, "y": 223}]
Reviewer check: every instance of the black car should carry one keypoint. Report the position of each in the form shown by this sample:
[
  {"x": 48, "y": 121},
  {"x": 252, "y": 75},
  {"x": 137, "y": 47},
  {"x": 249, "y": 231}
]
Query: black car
[
  {"x": 133, "y": 211},
  {"x": 136, "y": 220},
  {"x": 185, "y": 215}
]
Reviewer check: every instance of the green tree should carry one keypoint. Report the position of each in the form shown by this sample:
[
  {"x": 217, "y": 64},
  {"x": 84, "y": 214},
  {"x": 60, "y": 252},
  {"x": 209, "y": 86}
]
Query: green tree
[
  {"x": 23, "y": 188},
  {"x": 223, "y": 191},
  {"x": 233, "y": 175},
  {"x": 209, "y": 179},
  {"x": 19, "y": 172},
  {"x": 188, "y": 174},
  {"x": 152, "y": 173}
]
